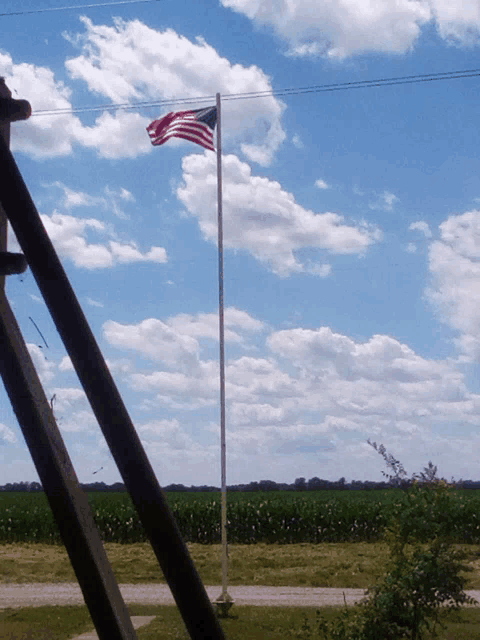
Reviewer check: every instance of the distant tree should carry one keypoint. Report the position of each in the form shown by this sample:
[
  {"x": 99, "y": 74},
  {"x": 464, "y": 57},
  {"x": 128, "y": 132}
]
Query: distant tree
[
  {"x": 300, "y": 484},
  {"x": 208, "y": 488},
  {"x": 21, "y": 486},
  {"x": 117, "y": 486},
  {"x": 236, "y": 487},
  {"x": 470, "y": 484},
  {"x": 267, "y": 485},
  {"x": 316, "y": 484},
  {"x": 357, "y": 485},
  {"x": 176, "y": 487},
  {"x": 94, "y": 486}
]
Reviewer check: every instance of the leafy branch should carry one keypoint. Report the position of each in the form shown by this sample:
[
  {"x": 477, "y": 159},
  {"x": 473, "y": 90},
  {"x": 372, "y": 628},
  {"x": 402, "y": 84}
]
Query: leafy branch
[{"x": 423, "y": 582}]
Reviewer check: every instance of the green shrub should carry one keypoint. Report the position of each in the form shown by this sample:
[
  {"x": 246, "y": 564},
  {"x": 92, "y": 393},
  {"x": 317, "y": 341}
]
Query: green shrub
[{"x": 423, "y": 582}]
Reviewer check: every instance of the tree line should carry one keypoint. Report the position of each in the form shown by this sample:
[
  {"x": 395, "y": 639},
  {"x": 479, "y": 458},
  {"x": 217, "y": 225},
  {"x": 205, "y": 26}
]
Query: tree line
[{"x": 300, "y": 484}]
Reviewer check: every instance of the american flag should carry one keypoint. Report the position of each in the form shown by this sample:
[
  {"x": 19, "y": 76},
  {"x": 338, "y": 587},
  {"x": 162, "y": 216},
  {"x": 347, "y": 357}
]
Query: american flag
[{"x": 196, "y": 126}]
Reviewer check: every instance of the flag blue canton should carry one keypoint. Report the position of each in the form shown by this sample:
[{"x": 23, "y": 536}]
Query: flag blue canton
[{"x": 208, "y": 115}]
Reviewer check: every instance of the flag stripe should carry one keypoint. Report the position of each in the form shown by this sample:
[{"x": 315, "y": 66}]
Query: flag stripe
[
  {"x": 200, "y": 133},
  {"x": 189, "y": 138},
  {"x": 196, "y": 126}
]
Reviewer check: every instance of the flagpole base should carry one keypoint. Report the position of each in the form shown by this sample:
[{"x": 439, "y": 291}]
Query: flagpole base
[{"x": 223, "y": 604}]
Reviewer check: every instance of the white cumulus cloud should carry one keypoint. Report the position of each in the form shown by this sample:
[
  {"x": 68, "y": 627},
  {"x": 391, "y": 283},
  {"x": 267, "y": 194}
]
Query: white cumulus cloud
[
  {"x": 340, "y": 29},
  {"x": 45, "y": 368},
  {"x": 205, "y": 325},
  {"x": 352, "y": 27},
  {"x": 454, "y": 262},
  {"x": 7, "y": 435},
  {"x": 297, "y": 142},
  {"x": 312, "y": 389},
  {"x": 458, "y": 22},
  {"x": 264, "y": 219},
  {"x": 422, "y": 227},
  {"x": 131, "y": 62},
  {"x": 69, "y": 235},
  {"x": 71, "y": 409},
  {"x": 66, "y": 364},
  {"x": 117, "y": 135},
  {"x": 156, "y": 340},
  {"x": 169, "y": 432},
  {"x": 41, "y": 135},
  {"x": 111, "y": 199},
  {"x": 385, "y": 201},
  {"x": 380, "y": 358}
]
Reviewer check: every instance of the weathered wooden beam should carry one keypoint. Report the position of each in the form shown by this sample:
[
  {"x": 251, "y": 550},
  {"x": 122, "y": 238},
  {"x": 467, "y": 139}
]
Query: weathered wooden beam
[
  {"x": 66, "y": 498},
  {"x": 5, "y": 93},
  {"x": 10, "y": 111}
]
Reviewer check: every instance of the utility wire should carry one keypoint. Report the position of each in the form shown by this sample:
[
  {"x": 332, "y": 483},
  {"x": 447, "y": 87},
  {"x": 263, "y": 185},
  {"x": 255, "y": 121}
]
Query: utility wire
[
  {"x": 446, "y": 75},
  {"x": 76, "y": 6},
  {"x": 360, "y": 84}
]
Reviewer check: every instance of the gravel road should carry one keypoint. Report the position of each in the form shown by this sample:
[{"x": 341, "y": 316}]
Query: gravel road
[{"x": 38, "y": 594}]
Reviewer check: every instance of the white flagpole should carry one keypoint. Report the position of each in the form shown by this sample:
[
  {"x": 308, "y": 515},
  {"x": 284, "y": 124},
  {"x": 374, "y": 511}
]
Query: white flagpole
[{"x": 224, "y": 600}]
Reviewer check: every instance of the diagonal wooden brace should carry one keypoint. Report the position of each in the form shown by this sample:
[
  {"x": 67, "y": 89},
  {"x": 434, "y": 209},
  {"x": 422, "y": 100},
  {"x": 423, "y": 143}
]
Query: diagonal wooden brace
[
  {"x": 138, "y": 475},
  {"x": 66, "y": 498}
]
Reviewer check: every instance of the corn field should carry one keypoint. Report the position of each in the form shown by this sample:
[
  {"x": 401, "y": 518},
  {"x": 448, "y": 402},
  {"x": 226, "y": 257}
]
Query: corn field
[{"x": 280, "y": 517}]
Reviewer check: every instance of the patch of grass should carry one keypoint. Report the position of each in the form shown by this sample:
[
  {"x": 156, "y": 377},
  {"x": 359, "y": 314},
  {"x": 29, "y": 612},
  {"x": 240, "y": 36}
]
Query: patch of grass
[
  {"x": 254, "y": 623},
  {"x": 318, "y": 565},
  {"x": 278, "y": 623},
  {"x": 44, "y": 623},
  {"x": 30, "y": 562},
  {"x": 321, "y": 565},
  {"x": 342, "y": 564},
  {"x": 461, "y": 625}
]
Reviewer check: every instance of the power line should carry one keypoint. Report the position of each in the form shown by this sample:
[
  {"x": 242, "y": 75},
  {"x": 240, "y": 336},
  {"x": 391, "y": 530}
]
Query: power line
[
  {"x": 76, "y": 6},
  {"x": 126, "y": 105},
  {"x": 358, "y": 84}
]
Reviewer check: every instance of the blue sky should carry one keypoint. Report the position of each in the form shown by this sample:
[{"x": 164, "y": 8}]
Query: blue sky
[{"x": 351, "y": 230}]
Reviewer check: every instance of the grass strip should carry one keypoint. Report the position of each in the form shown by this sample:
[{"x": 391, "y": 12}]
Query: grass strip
[
  {"x": 347, "y": 565},
  {"x": 254, "y": 623}
]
